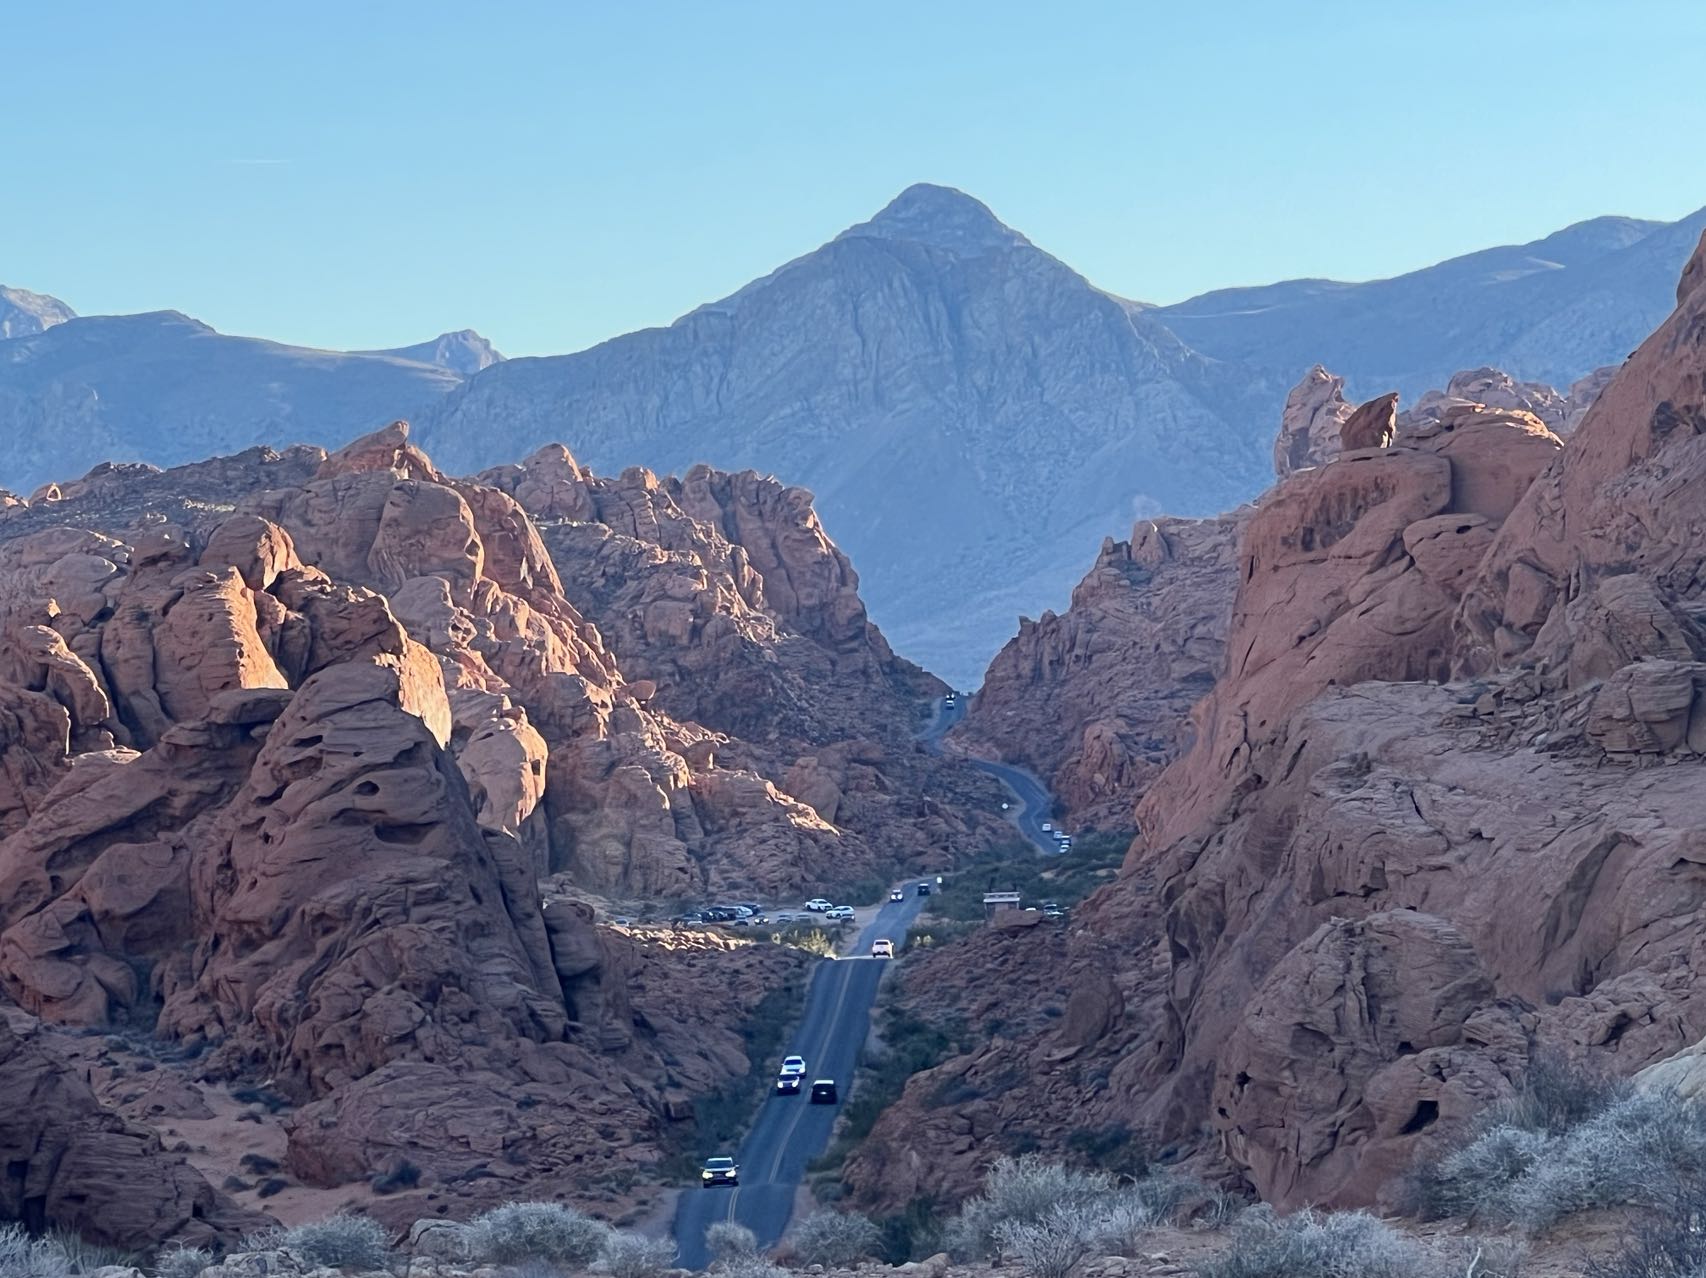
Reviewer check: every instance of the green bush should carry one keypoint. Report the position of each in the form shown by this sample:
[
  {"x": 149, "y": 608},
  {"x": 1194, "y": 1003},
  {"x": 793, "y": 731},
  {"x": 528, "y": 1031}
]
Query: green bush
[
  {"x": 1016, "y": 867},
  {"x": 910, "y": 1046}
]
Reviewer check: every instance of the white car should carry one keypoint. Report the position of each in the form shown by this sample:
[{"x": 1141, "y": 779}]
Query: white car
[
  {"x": 882, "y": 948},
  {"x": 895, "y": 894},
  {"x": 793, "y": 1067},
  {"x": 1047, "y": 827},
  {"x": 817, "y": 905},
  {"x": 840, "y": 913}
]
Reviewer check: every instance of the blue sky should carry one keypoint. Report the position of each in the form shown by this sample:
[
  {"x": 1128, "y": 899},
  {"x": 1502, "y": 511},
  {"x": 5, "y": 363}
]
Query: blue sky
[{"x": 369, "y": 173}]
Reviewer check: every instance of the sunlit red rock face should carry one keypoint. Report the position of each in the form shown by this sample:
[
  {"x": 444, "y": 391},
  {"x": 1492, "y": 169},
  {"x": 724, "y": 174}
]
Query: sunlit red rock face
[
  {"x": 1443, "y": 808},
  {"x": 281, "y": 775}
]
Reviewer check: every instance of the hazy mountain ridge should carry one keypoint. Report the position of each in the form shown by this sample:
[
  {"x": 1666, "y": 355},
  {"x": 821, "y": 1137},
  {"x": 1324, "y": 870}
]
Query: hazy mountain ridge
[
  {"x": 1549, "y": 311},
  {"x": 972, "y": 414}
]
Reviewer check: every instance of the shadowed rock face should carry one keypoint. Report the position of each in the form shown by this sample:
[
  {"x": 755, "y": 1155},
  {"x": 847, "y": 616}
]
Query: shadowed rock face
[
  {"x": 1442, "y": 809},
  {"x": 281, "y": 783}
]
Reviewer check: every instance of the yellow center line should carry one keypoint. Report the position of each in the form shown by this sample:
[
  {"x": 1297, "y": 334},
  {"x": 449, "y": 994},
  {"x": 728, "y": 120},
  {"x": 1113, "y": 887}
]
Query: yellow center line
[{"x": 821, "y": 1048}]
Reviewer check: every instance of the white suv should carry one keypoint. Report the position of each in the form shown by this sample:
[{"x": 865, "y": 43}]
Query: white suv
[
  {"x": 840, "y": 913},
  {"x": 817, "y": 905},
  {"x": 882, "y": 948}
]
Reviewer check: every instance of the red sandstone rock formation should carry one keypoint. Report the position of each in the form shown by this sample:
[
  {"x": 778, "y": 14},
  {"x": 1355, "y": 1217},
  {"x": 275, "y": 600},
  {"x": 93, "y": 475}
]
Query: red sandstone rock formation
[
  {"x": 1442, "y": 808},
  {"x": 281, "y": 782}
]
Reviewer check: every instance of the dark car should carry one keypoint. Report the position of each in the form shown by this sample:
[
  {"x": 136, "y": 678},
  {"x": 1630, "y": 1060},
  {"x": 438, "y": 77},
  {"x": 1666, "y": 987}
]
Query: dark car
[
  {"x": 923, "y": 889},
  {"x": 788, "y": 1084},
  {"x": 719, "y": 1171},
  {"x": 824, "y": 1093}
]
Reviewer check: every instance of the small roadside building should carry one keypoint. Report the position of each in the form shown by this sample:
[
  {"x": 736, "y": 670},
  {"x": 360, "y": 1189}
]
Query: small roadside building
[{"x": 998, "y": 903}]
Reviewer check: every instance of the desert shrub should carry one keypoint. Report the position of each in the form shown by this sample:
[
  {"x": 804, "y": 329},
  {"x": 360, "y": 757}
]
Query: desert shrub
[
  {"x": 835, "y": 1239},
  {"x": 338, "y": 1242},
  {"x": 636, "y": 1256},
  {"x": 1307, "y": 1245},
  {"x": 402, "y": 1175},
  {"x": 24, "y": 1257},
  {"x": 182, "y": 1262},
  {"x": 536, "y": 1231},
  {"x": 1668, "y": 1245},
  {"x": 1476, "y": 1179},
  {"x": 1020, "y": 1191},
  {"x": 1644, "y": 1149},
  {"x": 84, "y": 1256},
  {"x": 1052, "y": 1243},
  {"x": 1557, "y": 1095},
  {"x": 1138, "y": 1208},
  {"x": 728, "y": 1240}
]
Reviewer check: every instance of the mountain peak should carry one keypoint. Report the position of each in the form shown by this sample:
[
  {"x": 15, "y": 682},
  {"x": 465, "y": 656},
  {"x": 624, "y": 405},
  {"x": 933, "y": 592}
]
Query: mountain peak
[
  {"x": 23, "y": 313},
  {"x": 464, "y": 351},
  {"x": 940, "y": 217}
]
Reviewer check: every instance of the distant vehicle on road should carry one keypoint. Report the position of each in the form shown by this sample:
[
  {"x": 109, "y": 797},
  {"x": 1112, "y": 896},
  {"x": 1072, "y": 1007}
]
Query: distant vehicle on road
[
  {"x": 948, "y": 700},
  {"x": 840, "y": 913},
  {"x": 1047, "y": 827},
  {"x": 882, "y": 948},
  {"x": 824, "y": 1093},
  {"x": 924, "y": 889},
  {"x": 817, "y": 905},
  {"x": 794, "y": 1066},
  {"x": 897, "y": 895},
  {"x": 719, "y": 1171},
  {"x": 788, "y": 1084}
]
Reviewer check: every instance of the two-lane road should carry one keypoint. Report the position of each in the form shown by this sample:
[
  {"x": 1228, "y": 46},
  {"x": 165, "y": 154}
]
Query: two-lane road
[
  {"x": 790, "y": 1131},
  {"x": 1035, "y": 805}
]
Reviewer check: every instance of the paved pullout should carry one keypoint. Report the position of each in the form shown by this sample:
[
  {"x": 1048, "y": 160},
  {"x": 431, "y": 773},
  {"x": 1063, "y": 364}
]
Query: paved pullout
[{"x": 790, "y": 1131}]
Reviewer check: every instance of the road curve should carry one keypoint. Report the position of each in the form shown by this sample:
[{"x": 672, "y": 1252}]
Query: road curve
[
  {"x": 790, "y": 1131},
  {"x": 1034, "y": 804}
]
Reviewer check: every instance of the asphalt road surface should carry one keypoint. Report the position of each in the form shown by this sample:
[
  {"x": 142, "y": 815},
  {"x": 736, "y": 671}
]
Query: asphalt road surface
[
  {"x": 1033, "y": 805},
  {"x": 791, "y": 1131}
]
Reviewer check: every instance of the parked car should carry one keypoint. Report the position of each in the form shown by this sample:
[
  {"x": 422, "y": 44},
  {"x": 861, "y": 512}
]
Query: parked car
[
  {"x": 882, "y": 947},
  {"x": 923, "y": 889},
  {"x": 896, "y": 894},
  {"x": 839, "y": 913},
  {"x": 824, "y": 1093},
  {"x": 817, "y": 905},
  {"x": 719, "y": 1171}
]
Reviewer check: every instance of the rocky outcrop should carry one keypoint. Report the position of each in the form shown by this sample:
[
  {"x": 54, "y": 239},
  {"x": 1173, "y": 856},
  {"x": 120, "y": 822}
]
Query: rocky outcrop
[
  {"x": 1315, "y": 414},
  {"x": 281, "y": 784},
  {"x": 1441, "y": 812},
  {"x": 75, "y": 1165},
  {"x": 1097, "y": 699}
]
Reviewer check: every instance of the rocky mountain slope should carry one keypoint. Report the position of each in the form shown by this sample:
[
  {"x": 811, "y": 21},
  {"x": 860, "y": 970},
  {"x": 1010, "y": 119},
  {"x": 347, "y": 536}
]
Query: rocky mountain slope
[
  {"x": 1549, "y": 311},
  {"x": 23, "y": 313},
  {"x": 163, "y": 388},
  {"x": 1098, "y": 698},
  {"x": 1439, "y": 814},
  {"x": 289, "y": 744},
  {"x": 971, "y": 413},
  {"x": 974, "y": 416}
]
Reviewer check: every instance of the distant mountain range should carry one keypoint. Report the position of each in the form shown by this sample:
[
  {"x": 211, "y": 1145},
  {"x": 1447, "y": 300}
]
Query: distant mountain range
[{"x": 973, "y": 415}]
